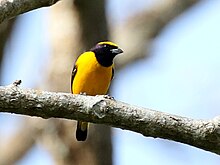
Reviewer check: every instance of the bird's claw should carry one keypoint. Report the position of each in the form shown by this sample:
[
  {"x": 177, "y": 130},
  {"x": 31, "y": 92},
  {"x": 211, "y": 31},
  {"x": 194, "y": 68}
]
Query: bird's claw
[
  {"x": 108, "y": 97},
  {"x": 83, "y": 93}
]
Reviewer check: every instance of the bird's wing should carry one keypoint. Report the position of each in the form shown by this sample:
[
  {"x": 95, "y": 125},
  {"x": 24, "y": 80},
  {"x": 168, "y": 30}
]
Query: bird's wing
[
  {"x": 113, "y": 71},
  {"x": 72, "y": 77}
]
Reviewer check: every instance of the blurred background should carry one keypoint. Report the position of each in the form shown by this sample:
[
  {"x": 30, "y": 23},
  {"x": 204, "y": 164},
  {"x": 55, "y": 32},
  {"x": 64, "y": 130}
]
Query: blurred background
[{"x": 170, "y": 63}]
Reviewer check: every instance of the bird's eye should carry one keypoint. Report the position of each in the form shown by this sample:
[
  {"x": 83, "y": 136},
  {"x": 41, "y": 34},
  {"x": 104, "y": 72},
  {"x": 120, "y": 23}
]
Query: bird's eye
[{"x": 104, "y": 46}]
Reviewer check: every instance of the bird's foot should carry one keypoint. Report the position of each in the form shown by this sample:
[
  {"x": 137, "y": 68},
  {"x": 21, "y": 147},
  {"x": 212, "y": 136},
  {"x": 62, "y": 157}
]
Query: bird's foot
[
  {"x": 83, "y": 93},
  {"x": 108, "y": 97}
]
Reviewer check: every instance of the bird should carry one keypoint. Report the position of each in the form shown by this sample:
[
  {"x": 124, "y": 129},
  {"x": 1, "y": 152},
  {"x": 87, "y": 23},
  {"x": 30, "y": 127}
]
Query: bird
[{"x": 92, "y": 74}]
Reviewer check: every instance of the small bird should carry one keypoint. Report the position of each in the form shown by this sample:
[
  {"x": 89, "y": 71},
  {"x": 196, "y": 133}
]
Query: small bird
[{"x": 92, "y": 75}]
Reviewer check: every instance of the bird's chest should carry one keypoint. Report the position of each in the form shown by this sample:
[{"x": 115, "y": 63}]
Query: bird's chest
[{"x": 92, "y": 79}]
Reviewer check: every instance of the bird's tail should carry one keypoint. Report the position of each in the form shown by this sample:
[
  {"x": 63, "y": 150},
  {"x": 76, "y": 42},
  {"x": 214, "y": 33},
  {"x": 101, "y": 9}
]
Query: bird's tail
[{"x": 81, "y": 130}]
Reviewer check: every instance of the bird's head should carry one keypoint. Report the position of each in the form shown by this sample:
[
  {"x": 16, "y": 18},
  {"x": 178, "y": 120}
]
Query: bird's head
[{"x": 105, "y": 52}]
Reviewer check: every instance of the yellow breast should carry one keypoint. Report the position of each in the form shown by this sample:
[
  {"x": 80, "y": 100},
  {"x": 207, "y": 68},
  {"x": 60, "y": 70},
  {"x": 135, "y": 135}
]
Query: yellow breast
[{"x": 91, "y": 77}]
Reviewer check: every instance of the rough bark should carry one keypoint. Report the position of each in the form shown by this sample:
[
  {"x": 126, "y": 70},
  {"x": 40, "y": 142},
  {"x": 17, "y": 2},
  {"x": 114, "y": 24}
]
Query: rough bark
[
  {"x": 56, "y": 128},
  {"x": 204, "y": 134},
  {"x": 12, "y": 8},
  {"x": 68, "y": 40},
  {"x": 94, "y": 29}
]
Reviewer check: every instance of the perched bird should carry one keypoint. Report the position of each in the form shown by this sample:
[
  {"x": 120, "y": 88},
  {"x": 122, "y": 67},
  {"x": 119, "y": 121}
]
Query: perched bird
[{"x": 92, "y": 75}]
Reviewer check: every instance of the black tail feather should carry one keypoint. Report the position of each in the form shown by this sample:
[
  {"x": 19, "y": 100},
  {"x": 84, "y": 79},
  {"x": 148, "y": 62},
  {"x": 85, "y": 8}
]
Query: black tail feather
[{"x": 81, "y": 131}]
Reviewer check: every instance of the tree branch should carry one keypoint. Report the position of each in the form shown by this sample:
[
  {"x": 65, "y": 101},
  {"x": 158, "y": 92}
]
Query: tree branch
[
  {"x": 12, "y": 8},
  {"x": 143, "y": 27},
  {"x": 204, "y": 134}
]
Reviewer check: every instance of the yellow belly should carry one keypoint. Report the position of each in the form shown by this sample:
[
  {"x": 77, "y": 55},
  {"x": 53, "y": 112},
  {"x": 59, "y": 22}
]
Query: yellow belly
[{"x": 91, "y": 77}]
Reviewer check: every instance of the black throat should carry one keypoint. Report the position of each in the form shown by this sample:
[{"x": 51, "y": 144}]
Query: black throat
[{"x": 104, "y": 58}]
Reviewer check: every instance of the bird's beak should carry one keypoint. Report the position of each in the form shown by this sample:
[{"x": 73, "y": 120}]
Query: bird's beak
[{"x": 117, "y": 51}]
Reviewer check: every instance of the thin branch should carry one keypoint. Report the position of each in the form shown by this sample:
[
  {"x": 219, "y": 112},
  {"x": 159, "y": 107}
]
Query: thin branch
[
  {"x": 136, "y": 34},
  {"x": 12, "y": 8},
  {"x": 204, "y": 134}
]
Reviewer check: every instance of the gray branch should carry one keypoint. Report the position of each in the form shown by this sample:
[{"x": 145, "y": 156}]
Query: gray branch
[
  {"x": 204, "y": 134},
  {"x": 144, "y": 26},
  {"x": 12, "y": 8}
]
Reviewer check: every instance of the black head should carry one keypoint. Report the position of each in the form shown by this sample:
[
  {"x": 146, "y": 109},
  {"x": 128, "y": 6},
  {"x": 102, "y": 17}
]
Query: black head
[{"x": 105, "y": 52}]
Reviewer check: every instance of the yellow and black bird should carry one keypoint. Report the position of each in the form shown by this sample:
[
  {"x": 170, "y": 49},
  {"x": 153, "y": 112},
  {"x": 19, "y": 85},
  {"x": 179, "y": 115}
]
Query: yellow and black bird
[{"x": 92, "y": 75}]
